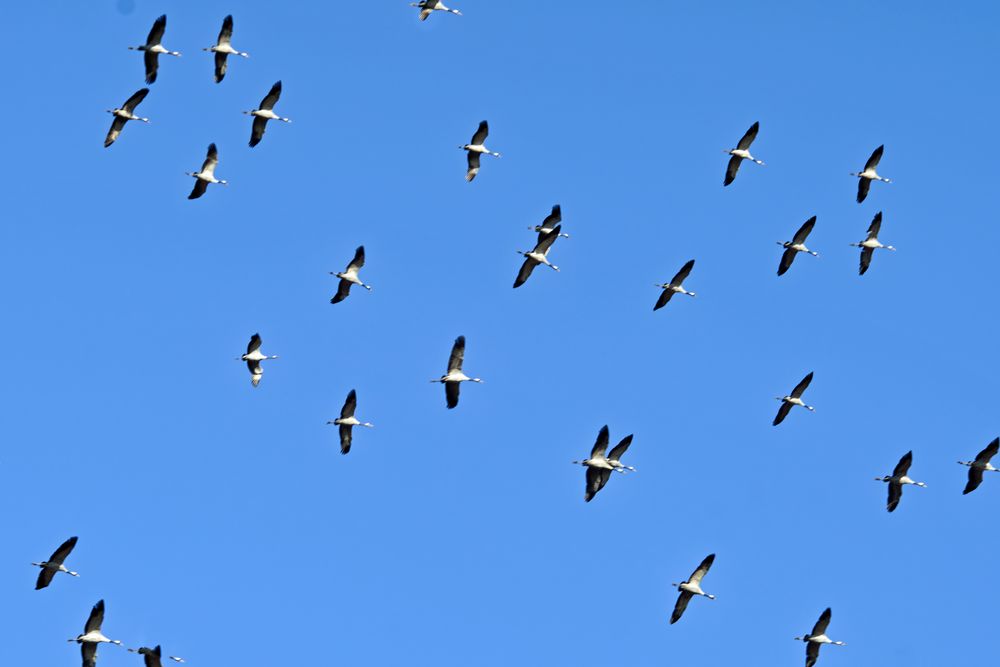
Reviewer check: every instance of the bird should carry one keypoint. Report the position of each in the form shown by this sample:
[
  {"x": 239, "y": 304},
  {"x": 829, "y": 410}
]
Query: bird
[
  {"x": 982, "y": 463},
  {"x": 898, "y": 479},
  {"x": 207, "y": 173},
  {"x": 92, "y": 636},
  {"x": 549, "y": 223},
  {"x": 349, "y": 276},
  {"x": 817, "y": 638},
  {"x": 617, "y": 452},
  {"x": 253, "y": 357},
  {"x": 347, "y": 421},
  {"x": 598, "y": 466},
  {"x": 870, "y": 243},
  {"x": 691, "y": 587},
  {"x": 151, "y": 656},
  {"x": 476, "y": 148},
  {"x": 740, "y": 153},
  {"x": 125, "y": 113},
  {"x": 428, "y": 6},
  {"x": 264, "y": 114},
  {"x": 152, "y": 48},
  {"x": 675, "y": 286},
  {"x": 868, "y": 174},
  {"x": 454, "y": 376},
  {"x": 795, "y": 398},
  {"x": 796, "y": 245},
  {"x": 539, "y": 255},
  {"x": 55, "y": 564},
  {"x": 223, "y": 49}
]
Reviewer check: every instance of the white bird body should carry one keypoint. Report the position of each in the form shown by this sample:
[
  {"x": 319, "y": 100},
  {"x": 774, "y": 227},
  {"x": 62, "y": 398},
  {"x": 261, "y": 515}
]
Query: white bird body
[
  {"x": 479, "y": 148},
  {"x": 797, "y": 247},
  {"x": 207, "y": 173},
  {"x": 745, "y": 154},
  {"x": 127, "y": 115},
  {"x": 350, "y": 421},
  {"x": 268, "y": 114},
  {"x": 695, "y": 588},
  {"x": 95, "y": 637}
]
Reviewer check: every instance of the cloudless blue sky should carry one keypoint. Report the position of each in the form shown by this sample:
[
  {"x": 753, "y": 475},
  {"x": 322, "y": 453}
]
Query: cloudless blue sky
[{"x": 211, "y": 514}]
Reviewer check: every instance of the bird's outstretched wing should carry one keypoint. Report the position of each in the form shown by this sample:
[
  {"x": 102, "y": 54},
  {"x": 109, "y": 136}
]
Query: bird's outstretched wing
[
  {"x": 473, "y": 160},
  {"x": 88, "y": 651},
  {"x": 481, "y": 133},
  {"x": 359, "y": 259},
  {"x": 804, "y": 231},
  {"x": 989, "y": 452},
  {"x": 702, "y": 569},
  {"x": 596, "y": 479},
  {"x": 257, "y": 130},
  {"x": 350, "y": 405},
  {"x": 272, "y": 97},
  {"x": 749, "y": 137},
  {"x": 875, "y": 227},
  {"x": 151, "y": 59},
  {"x": 895, "y": 493},
  {"x": 221, "y": 63},
  {"x": 156, "y": 32},
  {"x": 526, "y": 268},
  {"x": 457, "y": 355},
  {"x": 787, "y": 258},
  {"x": 200, "y": 187},
  {"x": 802, "y": 386},
  {"x": 680, "y": 606},
  {"x": 822, "y": 623},
  {"x": 864, "y": 185},
  {"x": 137, "y": 97},
  {"x": 254, "y": 343},
  {"x": 601, "y": 444},
  {"x": 346, "y": 431},
  {"x": 451, "y": 394},
  {"x": 782, "y": 413},
  {"x": 96, "y": 618},
  {"x": 226, "y": 34},
  {"x": 343, "y": 291},
  {"x": 731, "y": 169},
  {"x": 665, "y": 296},
  {"x": 44, "y": 578},
  {"x": 866, "y": 260},
  {"x": 682, "y": 275},
  {"x": 619, "y": 450},
  {"x": 812, "y": 653},
  {"x": 875, "y": 157},
  {"x": 975, "y": 479},
  {"x": 904, "y": 465},
  {"x": 117, "y": 124}
]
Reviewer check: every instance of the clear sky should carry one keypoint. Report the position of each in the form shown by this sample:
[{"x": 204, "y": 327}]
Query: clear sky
[{"x": 211, "y": 514}]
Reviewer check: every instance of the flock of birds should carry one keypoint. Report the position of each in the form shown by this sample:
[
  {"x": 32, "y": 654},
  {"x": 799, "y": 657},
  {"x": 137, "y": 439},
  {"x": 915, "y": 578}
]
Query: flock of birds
[{"x": 601, "y": 464}]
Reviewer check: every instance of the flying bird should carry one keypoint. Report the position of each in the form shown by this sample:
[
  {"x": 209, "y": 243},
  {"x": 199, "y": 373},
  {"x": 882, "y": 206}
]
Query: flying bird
[
  {"x": 264, "y": 114},
  {"x": 55, "y": 564},
  {"x": 690, "y": 588},
  {"x": 207, "y": 173},
  {"x": 223, "y": 48},
  {"x": 125, "y": 113},
  {"x": 871, "y": 242},
  {"x": 349, "y": 276},
  {"x": 898, "y": 479},
  {"x": 817, "y": 638},
  {"x": 600, "y": 465},
  {"x": 740, "y": 153},
  {"x": 476, "y": 148},
  {"x": 151, "y": 656},
  {"x": 455, "y": 376},
  {"x": 868, "y": 174},
  {"x": 550, "y": 222},
  {"x": 796, "y": 245},
  {"x": 253, "y": 357},
  {"x": 675, "y": 286},
  {"x": 428, "y": 6},
  {"x": 152, "y": 48},
  {"x": 347, "y": 421},
  {"x": 981, "y": 464},
  {"x": 793, "y": 399},
  {"x": 537, "y": 256},
  {"x": 92, "y": 636}
]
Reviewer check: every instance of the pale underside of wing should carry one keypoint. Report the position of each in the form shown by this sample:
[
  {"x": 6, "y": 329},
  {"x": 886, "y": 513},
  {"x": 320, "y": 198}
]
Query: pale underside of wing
[
  {"x": 221, "y": 64},
  {"x": 601, "y": 444},
  {"x": 457, "y": 355},
  {"x": 346, "y": 431},
  {"x": 117, "y": 124},
  {"x": 151, "y": 60},
  {"x": 473, "y": 160}
]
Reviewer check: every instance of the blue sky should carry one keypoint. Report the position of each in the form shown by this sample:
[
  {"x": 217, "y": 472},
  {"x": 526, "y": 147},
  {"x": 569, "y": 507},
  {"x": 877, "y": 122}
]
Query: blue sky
[{"x": 209, "y": 512}]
